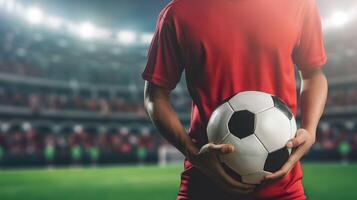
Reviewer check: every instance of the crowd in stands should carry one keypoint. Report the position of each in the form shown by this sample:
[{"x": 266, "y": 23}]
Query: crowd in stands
[
  {"x": 342, "y": 96},
  {"x": 48, "y": 55},
  {"x": 75, "y": 144},
  {"x": 38, "y": 55},
  {"x": 330, "y": 136},
  {"x": 38, "y": 101},
  {"x": 127, "y": 102}
]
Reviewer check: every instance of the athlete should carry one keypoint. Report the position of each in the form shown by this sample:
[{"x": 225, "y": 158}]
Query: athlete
[{"x": 226, "y": 47}]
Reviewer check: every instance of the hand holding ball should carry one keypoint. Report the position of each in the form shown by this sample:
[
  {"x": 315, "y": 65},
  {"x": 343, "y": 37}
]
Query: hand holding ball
[{"x": 259, "y": 126}]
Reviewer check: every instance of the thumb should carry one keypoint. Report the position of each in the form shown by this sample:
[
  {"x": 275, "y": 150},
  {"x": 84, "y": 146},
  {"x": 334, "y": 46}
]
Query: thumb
[
  {"x": 298, "y": 140},
  {"x": 221, "y": 148}
]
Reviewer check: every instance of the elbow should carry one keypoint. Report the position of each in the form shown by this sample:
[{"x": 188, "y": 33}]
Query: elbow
[
  {"x": 148, "y": 99},
  {"x": 313, "y": 77},
  {"x": 154, "y": 97},
  {"x": 323, "y": 77},
  {"x": 148, "y": 104},
  {"x": 323, "y": 80}
]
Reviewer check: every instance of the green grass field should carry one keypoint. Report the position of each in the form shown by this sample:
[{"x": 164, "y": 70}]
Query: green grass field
[{"x": 322, "y": 182}]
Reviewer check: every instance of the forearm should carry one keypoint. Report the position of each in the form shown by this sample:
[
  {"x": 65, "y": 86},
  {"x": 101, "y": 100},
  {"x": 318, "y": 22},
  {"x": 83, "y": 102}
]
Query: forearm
[
  {"x": 313, "y": 98},
  {"x": 166, "y": 120}
]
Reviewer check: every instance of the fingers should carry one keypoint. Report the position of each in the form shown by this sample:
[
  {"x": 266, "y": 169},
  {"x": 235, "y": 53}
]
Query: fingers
[
  {"x": 300, "y": 138},
  {"x": 280, "y": 173},
  {"x": 276, "y": 176},
  {"x": 221, "y": 148},
  {"x": 208, "y": 162},
  {"x": 285, "y": 169},
  {"x": 295, "y": 156}
]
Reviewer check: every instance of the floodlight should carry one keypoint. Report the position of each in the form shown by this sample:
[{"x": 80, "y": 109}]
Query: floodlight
[
  {"x": 34, "y": 15},
  {"x": 339, "y": 19},
  {"x": 86, "y": 30},
  {"x": 126, "y": 37},
  {"x": 146, "y": 38}
]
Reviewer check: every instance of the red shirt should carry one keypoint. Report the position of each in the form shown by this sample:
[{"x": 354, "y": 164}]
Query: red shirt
[{"x": 229, "y": 46}]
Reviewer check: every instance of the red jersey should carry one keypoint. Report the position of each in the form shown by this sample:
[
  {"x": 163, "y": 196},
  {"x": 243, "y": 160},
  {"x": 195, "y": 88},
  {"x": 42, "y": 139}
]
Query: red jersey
[{"x": 229, "y": 46}]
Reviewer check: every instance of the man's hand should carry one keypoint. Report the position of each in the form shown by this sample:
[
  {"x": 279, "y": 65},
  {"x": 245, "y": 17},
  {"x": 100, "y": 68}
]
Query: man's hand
[
  {"x": 301, "y": 144},
  {"x": 207, "y": 161}
]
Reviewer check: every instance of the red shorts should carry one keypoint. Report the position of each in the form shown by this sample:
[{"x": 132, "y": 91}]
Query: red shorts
[{"x": 196, "y": 186}]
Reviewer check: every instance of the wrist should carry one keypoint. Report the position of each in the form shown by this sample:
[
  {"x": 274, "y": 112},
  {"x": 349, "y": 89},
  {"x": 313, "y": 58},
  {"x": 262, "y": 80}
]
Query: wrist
[
  {"x": 311, "y": 135},
  {"x": 191, "y": 150}
]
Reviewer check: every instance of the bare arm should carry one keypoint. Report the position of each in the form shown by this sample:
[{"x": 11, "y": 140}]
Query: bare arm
[
  {"x": 313, "y": 96},
  {"x": 157, "y": 104},
  {"x": 313, "y": 99}
]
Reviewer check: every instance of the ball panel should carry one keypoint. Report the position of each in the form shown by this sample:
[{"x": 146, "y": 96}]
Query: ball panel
[
  {"x": 293, "y": 130},
  {"x": 293, "y": 127},
  {"x": 241, "y": 124},
  {"x": 255, "y": 178},
  {"x": 248, "y": 151},
  {"x": 253, "y": 101},
  {"x": 273, "y": 129},
  {"x": 217, "y": 127},
  {"x": 278, "y": 103},
  {"x": 276, "y": 160}
]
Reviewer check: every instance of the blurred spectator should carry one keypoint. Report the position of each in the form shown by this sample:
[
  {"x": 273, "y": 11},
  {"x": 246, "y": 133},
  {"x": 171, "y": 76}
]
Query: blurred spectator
[
  {"x": 76, "y": 154},
  {"x": 94, "y": 154},
  {"x": 135, "y": 144},
  {"x": 49, "y": 149},
  {"x": 344, "y": 150},
  {"x": 1, "y": 154}
]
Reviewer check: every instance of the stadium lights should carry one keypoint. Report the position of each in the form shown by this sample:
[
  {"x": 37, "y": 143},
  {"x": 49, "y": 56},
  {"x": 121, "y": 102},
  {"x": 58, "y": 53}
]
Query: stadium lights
[
  {"x": 339, "y": 19},
  {"x": 146, "y": 38},
  {"x": 86, "y": 30},
  {"x": 34, "y": 15},
  {"x": 126, "y": 37}
]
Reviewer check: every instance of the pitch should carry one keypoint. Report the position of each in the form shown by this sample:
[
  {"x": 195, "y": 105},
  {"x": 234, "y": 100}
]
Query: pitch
[{"x": 322, "y": 182}]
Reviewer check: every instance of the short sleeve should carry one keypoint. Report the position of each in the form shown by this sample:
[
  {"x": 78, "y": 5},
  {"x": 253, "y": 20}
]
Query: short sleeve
[
  {"x": 164, "y": 67},
  {"x": 309, "y": 52}
]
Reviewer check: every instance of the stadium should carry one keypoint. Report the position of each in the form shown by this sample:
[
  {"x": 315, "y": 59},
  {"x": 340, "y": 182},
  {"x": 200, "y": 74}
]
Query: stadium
[{"x": 72, "y": 119}]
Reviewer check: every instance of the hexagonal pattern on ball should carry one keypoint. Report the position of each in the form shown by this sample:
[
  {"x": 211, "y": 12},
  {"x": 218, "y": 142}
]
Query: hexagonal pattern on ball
[
  {"x": 241, "y": 124},
  {"x": 278, "y": 103},
  {"x": 273, "y": 129},
  {"x": 253, "y": 101},
  {"x": 276, "y": 160},
  {"x": 249, "y": 154},
  {"x": 217, "y": 127}
]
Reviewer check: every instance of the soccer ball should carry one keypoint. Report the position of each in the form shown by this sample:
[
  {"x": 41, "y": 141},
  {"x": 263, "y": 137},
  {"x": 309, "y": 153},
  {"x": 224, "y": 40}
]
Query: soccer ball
[{"x": 259, "y": 126}]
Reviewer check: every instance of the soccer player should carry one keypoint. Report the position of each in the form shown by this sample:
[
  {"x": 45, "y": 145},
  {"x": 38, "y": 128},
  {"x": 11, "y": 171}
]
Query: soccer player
[{"x": 225, "y": 47}]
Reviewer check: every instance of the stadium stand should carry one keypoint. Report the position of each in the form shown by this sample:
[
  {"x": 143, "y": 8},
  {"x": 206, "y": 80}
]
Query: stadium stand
[{"x": 69, "y": 101}]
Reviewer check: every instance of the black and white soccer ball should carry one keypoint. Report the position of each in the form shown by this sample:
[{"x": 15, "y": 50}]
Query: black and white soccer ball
[{"x": 259, "y": 126}]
